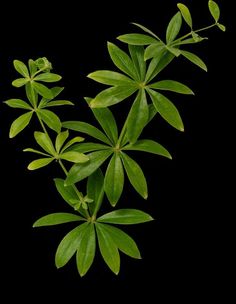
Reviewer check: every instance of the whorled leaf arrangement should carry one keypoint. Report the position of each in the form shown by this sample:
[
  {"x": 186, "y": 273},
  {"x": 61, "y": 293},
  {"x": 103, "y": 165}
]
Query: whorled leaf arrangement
[{"x": 147, "y": 56}]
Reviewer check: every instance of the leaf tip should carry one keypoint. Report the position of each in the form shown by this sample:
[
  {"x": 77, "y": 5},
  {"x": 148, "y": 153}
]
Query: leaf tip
[{"x": 145, "y": 196}]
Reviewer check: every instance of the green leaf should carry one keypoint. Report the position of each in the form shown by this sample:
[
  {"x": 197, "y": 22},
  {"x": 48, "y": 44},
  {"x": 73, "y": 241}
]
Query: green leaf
[
  {"x": 56, "y": 91},
  {"x": 107, "y": 121},
  {"x": 39, "y": 163},
  {"x": 75, "y": 157},
  {"x": 50, "y": 119},
  {"x": 36, "y": 152},
  {"x": 80, "y": 171},
  {"x": 121, "y": 60},
  {"x": 19, "y": 82},
  {"x": 194, "y": 59},
  {"x": 31, "y": 94},
  {"x": 221, "y": 27},
  {"x": 44, "y": 142},
  {"x": 123, "y": 241},
  {"x": 57, "y": 218},
  {"x": 20, "y": 123},
  {"x": 136, "y": 39},
  {"x": 95, "y": 190},
  {"x": 166, "y": 109},
  {"x": 110, "y": 78},
  {"x": 173, "y": 28},
  {"x": 32, "y": 67},
  {"x": 188, "y": 41},
  {"x": 47, "y": 77},
  {"x": 171, "y": 85},
  {"x": 108, "y": 249},
  {"x": 138, "y": 117},
  {"x": 86, "y": 128},
  {"x": 56, "y": 103},
  {"x": 18, "y": 104},
  {"x": 186, "y": 14},
  {"x": 145, "y": 30},
  {"x": 174, "y": 50},
  {"x": 112, "y": 96},
  {"x": 125, "y": 217},
  {"x": 154, "y": 50},
  {"x": 114, "y": 179},
  {"x": 21, "y": 68},
  {"x": 86, "y": 250},
  {"x": 68, "y": 193},
  {"x": 137, "y": 55},
  {"x": 152, "y": 112},
  {"x": 42, "y": 90},
  {"x": 60, "y": 139},
  {"x": 135, "y": 175},
  {"x": 149, "y": 146},
  {"x": 214, "y": 10},
  {"x": 71, "y": 142},
  {"x": 89, "y": 147},
  {"x": 69, "y": 245}
]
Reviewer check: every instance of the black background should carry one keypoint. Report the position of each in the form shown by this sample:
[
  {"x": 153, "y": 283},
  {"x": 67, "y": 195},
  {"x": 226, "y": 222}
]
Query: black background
[{"x": 184, "y": 249}]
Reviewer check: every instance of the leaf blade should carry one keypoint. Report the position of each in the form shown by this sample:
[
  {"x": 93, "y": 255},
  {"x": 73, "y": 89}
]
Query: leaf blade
[
  {"x": 42, "y": 90},
  {"x": 44, "y": 141},
  {"x": 194, "y": 59},
  {"x": 173, "y": 27},
  {"x": 57, "y": 219},
  {"x": 50, "y": 119},
  {"x": 95, "y": 190},
  {"x": 125, "y": 217},
  {"x": 20, "y": 124},
  {"x": 214, "y": 10},
  {"x": 39, "y": 163},
  {"x": 136, "y": 39},
  {"x": 171, "y": 85},
  {"x": 48, "y": 77},
  {"x": 18, "y": 104},
  {"x": 185, "y": 14},
  {"x": 110, "y": 78},
  {"x": 21, "y": 68},
  {"x": 75, "y": 157}
]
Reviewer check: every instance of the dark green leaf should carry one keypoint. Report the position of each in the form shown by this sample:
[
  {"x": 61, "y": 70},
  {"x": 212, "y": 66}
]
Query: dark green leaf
[
  {"x": 154, "y": 50},
  {"x": 86, "y": 250},
  {"x": 81, "y": 171},
  {"x": 39, "y": 163},
  {"x": 95, "y": 190},
  {"x": 136, "y": 39},
  {"x": 45, "y": 142},
  {"x": 50, "y": 119},
  {"x": 125, "y": 217},
  {"x": 174, "y": 50},
  {"x": 19, "y": 82},
  {"x": 167, "y": 110},
  {"x": 173, "y": 28},
  {"x": 60, "y": 139},
  {"x": 114, "y": 179},
  {"x": 137, "y": 55},
  {"x": 19, "y": 124},
  {"x": 214, "y": 10},
  {"x": 21, "y": 68},
  {"x": 75, "y": 157},
  {"x": 42, "y": 90},
  {"x": 57, "y": 218},
  {"x": 186, "y": 14},
  {"x": 47, "y": 77},
  {"x": 18, "y": 103},
  {"x": 152, "y": 112},
  {"x": 111, "y": 78},
  {"x": 108, "y": 249},
  {"x": 194, "y": 59},
  {"x": 135, "y": 175},
  {"x": 56, "y": 103},
  {"x": 68, "y": 193},
  {"x": 171, "y": 85}
]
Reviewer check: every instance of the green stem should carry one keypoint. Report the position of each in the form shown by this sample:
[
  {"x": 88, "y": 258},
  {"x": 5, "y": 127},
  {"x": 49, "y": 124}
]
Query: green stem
[{"x": 42, "y": 125}]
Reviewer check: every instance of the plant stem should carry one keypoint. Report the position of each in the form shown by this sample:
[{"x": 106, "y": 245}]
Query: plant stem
[{"x": 42, "y": 124}]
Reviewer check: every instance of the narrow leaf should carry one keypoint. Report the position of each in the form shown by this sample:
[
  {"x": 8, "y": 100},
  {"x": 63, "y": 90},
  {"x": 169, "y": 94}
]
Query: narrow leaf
[
  {"x": 75, "y": 157},
  {"x": 57, "y": 218},
  {"x": 137, "y": 55},
  {"x": 71, "y": 142},
  {"x": 125, "y": 217},
  {"x": 186, "y": 14},
  {"x": 47, "y": 77},
  {"x": 18, "y": 104},
  {"x": 21, "y": 68},
  {"x": 173, "y": 28},
  {"x": 20, "y": 123},
  {"x": 50, "y": 119},
  {"x": 45, "y": 142},
  {"x": 89, "y": 147},
  {"x": 154, "y": 50},
  {"x": 174, "y": 50},
  {"x": 110, "y": 78},
  {"x": 57, "y": 103},
  {"x": 171, "y": 85},
  {"x": 95, "y": 190},
  {"x": 36, "y": 152},
  {"x": 60, "y": 139},
  {"x": 31, "y": 94},
  {"x": 68, "y": 193},
  {"x": 145, "y": 30},
  {"x": 42, "y": 90},
  {"x": 32, "y": 67},
  {"x": 214, "y": 10},
  {"x": 194, "y": 59},
  {"x": 39, "y": 163},
  {"x": 19, "y": 82},
  {"x": 137, "y": 39}
]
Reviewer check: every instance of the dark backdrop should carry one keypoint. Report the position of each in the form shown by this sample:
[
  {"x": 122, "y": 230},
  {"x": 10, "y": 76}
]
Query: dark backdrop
[{"x": 182, "y": 248}]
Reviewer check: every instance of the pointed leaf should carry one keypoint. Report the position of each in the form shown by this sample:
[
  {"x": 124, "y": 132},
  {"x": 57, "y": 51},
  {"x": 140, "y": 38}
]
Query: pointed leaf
[
  {"x": 57, "y": 103},
  {"x": 221, "y": 27},
  {"x": 80, "y": 171},
  {"x": 60, "y": 139},
  {"x": 137, "y": 39},
  {"x": 45, "y": 142},
  {"x": 89, "y": 147},
  {"x": 47, "y": 77},
  {"x": 152, "y": 112},
  {"x": 21, "y": 68},
  {"x": 114, "y": 179},
  {"x": 36, "y": 152},
  {"x": 42, "y": 90},
  {"x": 69, "y": 244},
  {"x": 56, "y": 91},
  {"x": 112, "y": 96},
  {"x": 39, "y": 163},
  {"x": 171, "y": 85},
  {"x": 145, "y": 30},
  {"x": 194, "y": 59},
  {"x": 20, "y": 123},
  {"x": 95, "y": 190},
  {"x": 86, "y": 250},
  {"x": 173, "y": 28},
  {"x": 154, "y": 50},
  {"x": 149, "y": 146},
  {"x": 32, "y": 67},
  {"x": 18, "y": 104},
  {"x": 167, "y": 110},
  {"x": 110, "y": 78},
  {"x": 174, "y": 50},
  {"x": 75, "y": 157},
  {"x": 186, "y": 14},
  {"x": 214, "y": 10},
  {"x": 50, "y": 119},
  {"x": 108, "y": 249},
  {"x": 138, "y": 117},
  {"x": 68, "y": 193},
  {"x": 125, "y": 217},
  {"x": 31, "y": 94},
  {"x": 57, "y": 218},
  {"x": 71, "y": 142},
  {"x": 137, "y": 55},
  {"x": 135, "y": 175},
  {"x": 19, "y": 82}
]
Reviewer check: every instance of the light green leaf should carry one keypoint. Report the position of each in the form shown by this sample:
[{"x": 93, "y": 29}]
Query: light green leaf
[
  {"x": 44, "y": 142},
  {"x": 221, "y": 27},
  {"x": 39, "y": 163},
  {"x": 171, "y": 85},
  {"x": 36, "y": 152},
  {"x": 95, "y": 190},
  {"x": 47, "y": 77},
  {"x": 137, "y": 55},
  {"x": 56, "y": 103},
  {"x": 71, "y": 142},
  {"x": 69, "y": 245},
  {"x": 167, "y": 110},
  {"x": 186, "y": 14},
  {"x": 194, "y": 59},
  {"x": 138, "y": 117},
  {"x": 32, "y": 67},
  {"x": 75, "y": 157},
  {"x": 173, "y": 28},
  {"x": 149, "y": 146},
  {"x": 21, "y": 68},
  {"x": 114, "y": 179},
  {"x": 80, "y": 171},
  {"x": 121, "y": 60},
  {"x": 89, "y": 147},
  {"x": 42, "y": 90},
  {"x": 86, "y": 250},
  {"x": 20, "y": 123},
  {"x": 123, "y": 241},
  {"x": 108, "y": 249},
  {"x": 57, "y": 218},
  {"x": 50, "y": 119},
  {"x": 125, "y": 217},
  {"x": 86, "y": 128},
  {"x": 137, "y": 39},
  {"x": 154, "y": 50},
  {"x": 111, "y": 78},
  {"x": 60, "y": 139},
  {"x": 214, "y": 10},
  {"x": 31, "y": 94},
  {"x": 18, "y": 103},
  {"x": 56, "y": 91},
  {"x": 19, "y": 82},
  {"x": 112, "y": 96},
  {"x": 135, "y": 175},
  {"x": 145, "y": 30}
]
